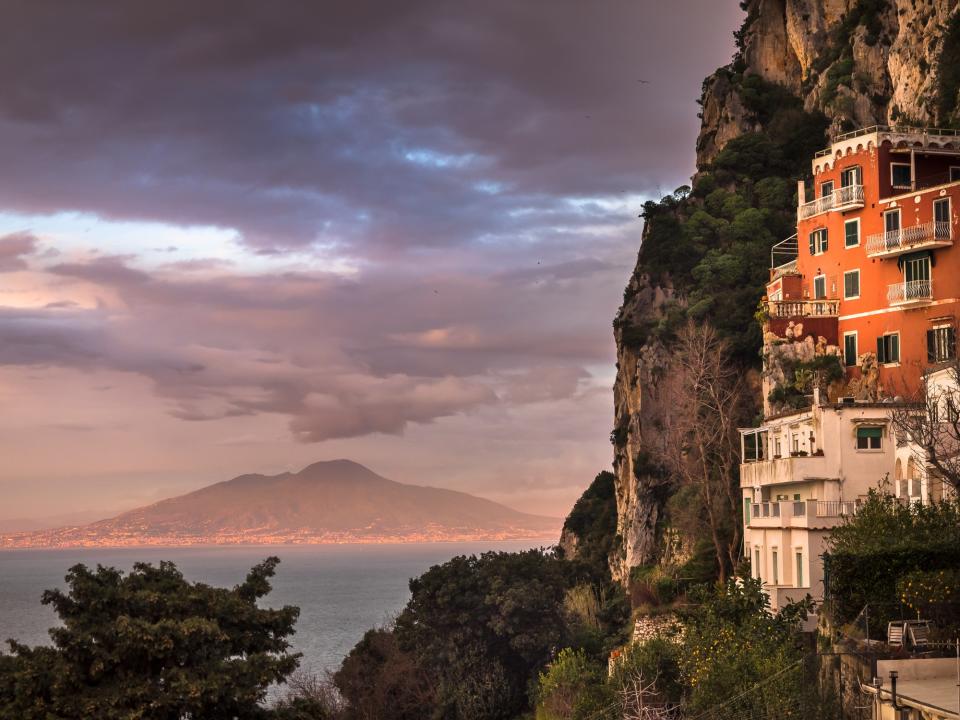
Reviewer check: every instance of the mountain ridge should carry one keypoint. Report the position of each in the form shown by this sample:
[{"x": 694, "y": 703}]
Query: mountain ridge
[{"x": 326, "y": 502}]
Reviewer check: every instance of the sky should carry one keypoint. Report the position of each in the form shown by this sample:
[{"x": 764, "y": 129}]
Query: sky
[{"x": 239, "y": 236}]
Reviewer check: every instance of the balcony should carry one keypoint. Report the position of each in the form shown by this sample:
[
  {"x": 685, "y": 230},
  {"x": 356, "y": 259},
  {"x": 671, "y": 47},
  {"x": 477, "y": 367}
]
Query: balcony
[
  {"x": 919, "y": 237},
  {"x": 845, "y": 198},
  {"x": 913, "y": 293},
  {"x": 783, "y": 470},
  {"x": 801, "y": 513},
  {"x": 804, "y": 308}
]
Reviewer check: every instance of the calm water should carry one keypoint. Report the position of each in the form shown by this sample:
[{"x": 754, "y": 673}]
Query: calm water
[{"x": 342, "y": 590}]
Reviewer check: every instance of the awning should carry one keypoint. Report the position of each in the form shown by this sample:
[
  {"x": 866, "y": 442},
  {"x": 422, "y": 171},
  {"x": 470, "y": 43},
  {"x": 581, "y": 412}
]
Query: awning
[{"x": 919, "y": 255}]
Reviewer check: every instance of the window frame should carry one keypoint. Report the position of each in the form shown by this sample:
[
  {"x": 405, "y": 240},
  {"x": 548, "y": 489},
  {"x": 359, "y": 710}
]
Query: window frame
[
  {"x": 856, "y": 348},
  {"x": 818, "y": 241},
  {"x": 940, "y": 201},
  {"x": 951, "y": 175},
  {"x": 846, "y": 238},
  {"x": 943, "y": 337},
  {"x": 884, "y": 360},
  {"x": 859, "y": 175},
  {"x": 869, "y": 446},
  {"x": 855, "y": 271},
  {"x": 822, "y": 277},
  {"x": 909, "y": 185},
  {"x": 891, "y": 213}
]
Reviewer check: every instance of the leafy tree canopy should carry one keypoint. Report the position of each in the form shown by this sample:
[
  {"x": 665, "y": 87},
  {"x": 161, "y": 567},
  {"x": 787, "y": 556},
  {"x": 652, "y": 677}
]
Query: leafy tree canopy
[{"x": 151, "y": 645}]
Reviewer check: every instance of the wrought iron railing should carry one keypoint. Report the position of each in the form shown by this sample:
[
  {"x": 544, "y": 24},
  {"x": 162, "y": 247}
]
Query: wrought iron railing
[
  {"x": 893, "y": 240},
  {"x": 845, "y": 197},
  {"x": 910, "y": 291}
]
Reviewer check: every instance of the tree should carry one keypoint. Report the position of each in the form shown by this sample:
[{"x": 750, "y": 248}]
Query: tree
[
  {"x": 153, "y": 646},
  {"x": 484, "y": 626},
  {"x": 379, "y": 680},
  {"x": 931, "y": 426},
  {"x": 706, "y": 400}
]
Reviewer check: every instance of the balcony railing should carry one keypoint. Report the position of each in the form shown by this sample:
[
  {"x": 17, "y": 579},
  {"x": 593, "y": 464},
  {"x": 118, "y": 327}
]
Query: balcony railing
[
  {"x": 804, "y": 308},
  {"x": 845, "y": 198},
  {"x": 804, "y": 509},
  {"x": 909, "y": 293},
  {"x": 896, "y": 242}
]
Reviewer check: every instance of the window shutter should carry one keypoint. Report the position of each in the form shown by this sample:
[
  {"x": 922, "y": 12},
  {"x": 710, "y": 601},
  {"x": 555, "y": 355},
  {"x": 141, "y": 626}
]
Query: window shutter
[
  {"x": 931, "y": 347},
  {"x": 813, "y": 243},
  {"x": 881, "y": 355},
  {"x": 894, "y": 348},
  {"x": 951, "y": 343},
  {"x": 824, "y": 248}
]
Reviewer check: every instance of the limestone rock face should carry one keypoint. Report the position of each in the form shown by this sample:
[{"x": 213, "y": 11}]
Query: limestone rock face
[
  {"x": 860, "y": 64},
  {"x": 883, "y": 69}
]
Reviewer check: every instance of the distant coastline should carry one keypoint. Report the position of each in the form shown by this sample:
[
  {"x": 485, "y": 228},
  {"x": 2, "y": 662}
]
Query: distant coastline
[{"x": 31, "y": 541}]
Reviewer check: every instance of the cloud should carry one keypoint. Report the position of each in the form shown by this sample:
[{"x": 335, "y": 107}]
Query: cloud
[{"x": 14, "y": 248}]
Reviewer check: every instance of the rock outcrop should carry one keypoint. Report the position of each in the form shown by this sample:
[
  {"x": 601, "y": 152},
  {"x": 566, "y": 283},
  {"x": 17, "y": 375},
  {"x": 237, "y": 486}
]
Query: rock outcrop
[{"x": 860, "y": 63}]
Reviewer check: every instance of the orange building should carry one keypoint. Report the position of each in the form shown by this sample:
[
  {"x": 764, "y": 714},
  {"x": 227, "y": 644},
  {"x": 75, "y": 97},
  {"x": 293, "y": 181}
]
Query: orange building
[{"x": 873, "y": 266}]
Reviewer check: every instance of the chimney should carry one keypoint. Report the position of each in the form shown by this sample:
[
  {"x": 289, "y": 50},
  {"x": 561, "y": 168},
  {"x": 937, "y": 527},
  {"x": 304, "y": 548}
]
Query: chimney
[{"x": 801, "y": 192}]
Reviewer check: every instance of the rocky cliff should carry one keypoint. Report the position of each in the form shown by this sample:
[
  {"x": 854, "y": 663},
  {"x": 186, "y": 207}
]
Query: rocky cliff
[{"x": 804, "y": 70}]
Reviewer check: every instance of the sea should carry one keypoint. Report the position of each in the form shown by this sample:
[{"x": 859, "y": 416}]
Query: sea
[{"x": 341, "y": 590}]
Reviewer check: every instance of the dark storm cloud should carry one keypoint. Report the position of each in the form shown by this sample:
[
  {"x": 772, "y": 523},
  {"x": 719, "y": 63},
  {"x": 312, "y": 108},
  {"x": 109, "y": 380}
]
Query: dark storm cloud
[
  {"x": 367, "y": 126},
  {"x": 480, "y": 166}
]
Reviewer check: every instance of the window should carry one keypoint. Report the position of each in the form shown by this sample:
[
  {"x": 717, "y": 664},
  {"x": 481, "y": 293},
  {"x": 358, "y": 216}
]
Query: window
[
  {"x": 850, "y": 349},
  {"x": 850, "y": 176},
  {"x": 799, "y": 582},
  {"x": 891, "y": 221},
  {"x": 888, "y": 348},
  {"x": 869, "y": 438},
  {"x": 796, "y": 443},
  {"x": 756, "y": 559},
  {"x": 818, "y": 241},
  {"x": 916, "y": 273},
  {"x": 954, "y": 173},
  {"x": 941, "y": 344},
  {"x": 826, "y": 189},
  {"x": 851, "y": 285},
  {"x": 820, "y": 287},
  {"x": 773, "y": 564},
  {"x": 900, "y": 176},
  {"x": 746, "y": 511},
  {"x": 941, "y": 219},
  {"x": 851, "y": 233}
]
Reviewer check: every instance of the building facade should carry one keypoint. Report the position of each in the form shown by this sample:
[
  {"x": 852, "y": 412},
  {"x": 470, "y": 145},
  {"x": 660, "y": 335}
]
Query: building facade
[
  {"x": 873, "y": 267},
  {"x": 803, "y": 472},
  {"x": 871, "y": 284}
]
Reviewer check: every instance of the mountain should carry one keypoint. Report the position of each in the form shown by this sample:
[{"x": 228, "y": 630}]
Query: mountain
[
  {"x": 805, "y": 71},
  {"x": 327, "y": 502}
]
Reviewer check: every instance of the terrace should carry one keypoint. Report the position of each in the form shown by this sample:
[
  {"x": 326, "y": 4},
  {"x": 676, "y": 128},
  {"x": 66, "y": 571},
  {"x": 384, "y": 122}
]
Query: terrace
[
  {"x": 801, "y": 513},
  {"x": 928, "y": 235},
  {"x": 912, "y": 293},
  {"x": 845, "y": 198}
]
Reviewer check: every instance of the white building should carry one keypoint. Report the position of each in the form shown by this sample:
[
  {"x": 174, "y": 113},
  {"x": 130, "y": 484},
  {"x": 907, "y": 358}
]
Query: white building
[
  {"x": 802, "y": 473},
  {"x": 913, "y": 479}
]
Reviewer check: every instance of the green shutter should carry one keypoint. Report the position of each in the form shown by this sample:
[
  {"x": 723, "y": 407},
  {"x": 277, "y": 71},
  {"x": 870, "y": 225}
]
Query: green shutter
[
  {"x": 931, "y": 347},
  {"x": 851, "y": 230},
  {"x": 869, "y": 432},
  {"x": 894, "y": 353},
  {"x": 951, "y": 343},
  {"x": 813, "y": 243},
  {"x": 824, "y": 247},
  {"x": 881, "y": 350}
]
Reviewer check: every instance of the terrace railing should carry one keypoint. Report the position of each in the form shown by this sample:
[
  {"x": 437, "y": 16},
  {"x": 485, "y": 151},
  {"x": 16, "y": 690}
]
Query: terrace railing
[
  {"x": 909, "y": 292},
  {"x": 908, "y": 238}
]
